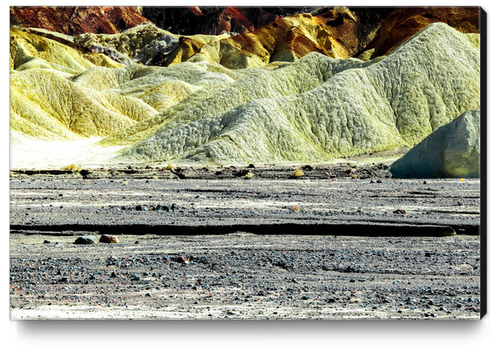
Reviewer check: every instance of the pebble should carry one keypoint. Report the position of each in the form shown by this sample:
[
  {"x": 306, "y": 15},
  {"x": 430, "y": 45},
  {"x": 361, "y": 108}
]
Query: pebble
[
  {"x": 108, "y": 239},
  {"x": 400, "y": 211},
  {"x": 85, "y": 240}
]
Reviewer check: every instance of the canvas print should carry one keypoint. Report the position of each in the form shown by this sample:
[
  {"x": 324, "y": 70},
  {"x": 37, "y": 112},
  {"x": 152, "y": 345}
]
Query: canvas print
[{"x": 245, "y": 163}]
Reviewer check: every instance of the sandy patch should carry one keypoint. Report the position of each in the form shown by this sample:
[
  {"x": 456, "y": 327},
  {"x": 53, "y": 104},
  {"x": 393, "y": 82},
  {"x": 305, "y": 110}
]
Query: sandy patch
[{"x": 30, "y": 153}]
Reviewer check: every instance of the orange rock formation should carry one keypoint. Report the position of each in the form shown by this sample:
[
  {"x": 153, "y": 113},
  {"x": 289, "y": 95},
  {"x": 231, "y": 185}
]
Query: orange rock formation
[{"x": 404, "y": 22}]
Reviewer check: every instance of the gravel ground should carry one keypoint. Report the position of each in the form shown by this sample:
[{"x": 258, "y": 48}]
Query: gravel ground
[
  {"x": 246, "y": 276},
  {"x": 327, "y": 245}
]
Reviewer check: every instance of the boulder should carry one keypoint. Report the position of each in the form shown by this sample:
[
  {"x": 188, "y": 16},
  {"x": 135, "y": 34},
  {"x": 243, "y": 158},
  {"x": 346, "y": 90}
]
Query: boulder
[{"x": 452, "y": 151}]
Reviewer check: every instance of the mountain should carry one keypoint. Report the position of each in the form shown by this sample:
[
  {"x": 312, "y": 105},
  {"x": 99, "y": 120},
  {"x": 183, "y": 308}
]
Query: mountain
[
  {"x": 319, "y": 108},
  {"x": 288, "y": 91}
]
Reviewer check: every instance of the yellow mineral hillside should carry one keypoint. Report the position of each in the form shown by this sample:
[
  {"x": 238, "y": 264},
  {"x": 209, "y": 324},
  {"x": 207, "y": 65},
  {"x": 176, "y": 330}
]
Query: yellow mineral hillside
[
  {"x": 319, "y": 108},
  {"x": 50, "y": 101},
  {"x": 31, "y": 51}
]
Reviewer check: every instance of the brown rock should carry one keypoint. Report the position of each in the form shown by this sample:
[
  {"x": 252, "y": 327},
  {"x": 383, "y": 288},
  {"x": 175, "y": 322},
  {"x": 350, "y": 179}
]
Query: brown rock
[
  {"x": 336, "y": 32},
  {"x": 214, "y": 20},
  {"x": 403, "y": 23},
  {"x": 75, "y": 20},
  {"x": 108, "y": 239}
]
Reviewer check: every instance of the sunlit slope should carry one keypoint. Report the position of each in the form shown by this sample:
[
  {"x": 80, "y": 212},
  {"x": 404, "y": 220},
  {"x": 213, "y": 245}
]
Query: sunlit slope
[
  {"x": 50, "y": 101},
  {"x": 286, "y": 39},
  {"x": 47, "y": 102},
  {"x": 294, "y": 117},
  {"x": 30, "y": 51},
  {"x": 222, "y": 89}
]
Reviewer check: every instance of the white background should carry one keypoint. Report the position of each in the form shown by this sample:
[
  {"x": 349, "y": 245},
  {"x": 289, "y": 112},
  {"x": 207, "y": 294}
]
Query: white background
[{"x": 222, "y": 333}]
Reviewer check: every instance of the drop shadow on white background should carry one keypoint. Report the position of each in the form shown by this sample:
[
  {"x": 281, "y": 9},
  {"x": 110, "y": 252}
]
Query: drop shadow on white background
[{"x": 240, "y": 333}]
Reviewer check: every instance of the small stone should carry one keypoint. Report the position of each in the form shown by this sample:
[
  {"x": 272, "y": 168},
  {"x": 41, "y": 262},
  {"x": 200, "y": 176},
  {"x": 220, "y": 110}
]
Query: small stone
[
  {"x": 108, "y": 239},
  {"x": 85, "y": 240},
  {"x": 136, "y": 278},
  {"x": 181, "y": 259},
  {"x": 47, "y": 241},
  {"x": 400, "y": 211},
  {"x": 148, "y": 295}
]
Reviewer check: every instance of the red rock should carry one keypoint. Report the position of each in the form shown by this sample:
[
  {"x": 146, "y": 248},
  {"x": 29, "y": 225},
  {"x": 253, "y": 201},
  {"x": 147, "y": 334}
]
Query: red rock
[
  {"x": 403, "y": 23},
  {"x": 75, "y": 20}
]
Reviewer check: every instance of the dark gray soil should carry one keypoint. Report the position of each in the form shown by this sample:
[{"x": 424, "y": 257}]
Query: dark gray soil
[
  {"x": 246, "y": 276},
  {"x": 322, "y": 246}
]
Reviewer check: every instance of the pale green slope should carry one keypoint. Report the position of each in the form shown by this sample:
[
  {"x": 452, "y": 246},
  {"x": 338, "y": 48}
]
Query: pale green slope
[
  {"x": 236, "y": 88},
  {"x": 50, "y": 101},
  {"x": 319, "y": 108}
]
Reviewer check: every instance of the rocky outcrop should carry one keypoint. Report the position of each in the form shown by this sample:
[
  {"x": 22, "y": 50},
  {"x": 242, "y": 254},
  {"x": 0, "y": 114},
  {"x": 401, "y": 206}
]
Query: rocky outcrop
[
  {"x": 136, "y": 45},
  {"x": 76, "y": 20},
  {"x": 335, "y": 32},
  {"x": 207, "y": 20},
  {"x": 404, "y": 22},
  {"x": 451, "y": 151},
  {"x": 29, "y": 51}
]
